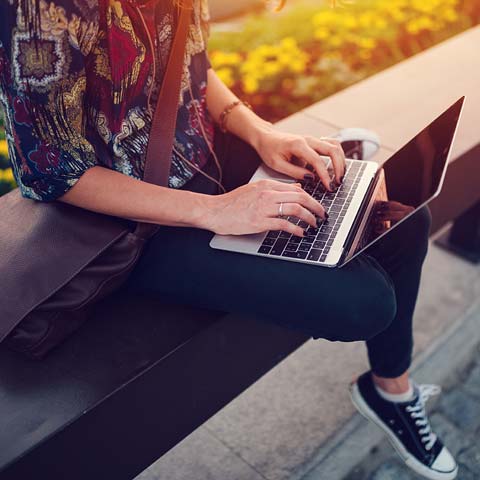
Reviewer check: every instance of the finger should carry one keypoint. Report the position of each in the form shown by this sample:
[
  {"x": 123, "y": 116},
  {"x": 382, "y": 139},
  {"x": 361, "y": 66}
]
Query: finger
[
  {"x": 303, "y": 150},
  {"x": 334, "y": 151},
  {"x": 268, "y": 184},
  {"x": 294, "y": 170},
  {"x": 296, "y": 210},
  {"x": 302, "y": 198},
  {"x": 285, "y": 225}
]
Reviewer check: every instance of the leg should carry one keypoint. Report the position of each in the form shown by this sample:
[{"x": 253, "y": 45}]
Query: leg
[
  {"x": 402, "y": 415},
  {"x": 401, "y": 254},
  {"x": 349, "y": 304}
]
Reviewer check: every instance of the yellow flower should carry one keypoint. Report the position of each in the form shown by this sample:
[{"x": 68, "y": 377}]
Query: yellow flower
[
  {"x": 322, "y": 33},
  {"x": 7, "y": 175},
  {"x": 3, "y": 148},
  {"x": 226, "y": 75},
  {"x": 250, "y": 84},
  {"x": 367, "y": 43},
  {"x": 225, "y": 59}
]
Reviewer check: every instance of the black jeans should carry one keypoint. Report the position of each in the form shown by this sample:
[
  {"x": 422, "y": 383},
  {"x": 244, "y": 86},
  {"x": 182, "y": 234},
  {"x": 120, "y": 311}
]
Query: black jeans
[{"x": 372, "y": 298}]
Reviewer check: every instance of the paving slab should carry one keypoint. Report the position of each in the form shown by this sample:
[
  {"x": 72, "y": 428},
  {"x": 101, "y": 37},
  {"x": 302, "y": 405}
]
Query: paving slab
[
  {"x": 454, "y": 418},
  {"x": 200, "y": 456},
  {"x": 472, "y": 384},
  {"x": 462, "y": 409}
]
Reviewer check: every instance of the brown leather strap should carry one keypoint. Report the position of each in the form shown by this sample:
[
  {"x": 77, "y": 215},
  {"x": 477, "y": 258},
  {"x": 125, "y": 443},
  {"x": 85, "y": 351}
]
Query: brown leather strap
[{"x": 160, "y": 143}]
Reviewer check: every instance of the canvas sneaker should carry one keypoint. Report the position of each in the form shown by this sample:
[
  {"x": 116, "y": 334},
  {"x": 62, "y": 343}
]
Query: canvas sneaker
[
  {"x": 358, "y": 143},
  {"x": 407, "y": 427}
]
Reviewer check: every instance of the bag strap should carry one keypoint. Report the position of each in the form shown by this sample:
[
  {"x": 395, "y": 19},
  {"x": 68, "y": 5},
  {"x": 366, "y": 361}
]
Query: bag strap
[
  {"x": 160, "y": 143},
  {"x": 158, "y": 158}
]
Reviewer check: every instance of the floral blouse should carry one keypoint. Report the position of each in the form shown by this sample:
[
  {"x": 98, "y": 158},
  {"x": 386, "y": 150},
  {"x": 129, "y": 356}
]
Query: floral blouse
[{"x": 76, "y": 83}]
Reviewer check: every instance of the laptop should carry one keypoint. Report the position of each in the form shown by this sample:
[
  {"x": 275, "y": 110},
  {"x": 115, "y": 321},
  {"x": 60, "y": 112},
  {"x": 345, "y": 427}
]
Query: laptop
[{"x": 372, "y": 200}]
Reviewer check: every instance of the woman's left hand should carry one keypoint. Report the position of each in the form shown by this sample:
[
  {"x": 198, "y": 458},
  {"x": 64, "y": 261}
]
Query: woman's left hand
[{"x": 290, "y": 154}]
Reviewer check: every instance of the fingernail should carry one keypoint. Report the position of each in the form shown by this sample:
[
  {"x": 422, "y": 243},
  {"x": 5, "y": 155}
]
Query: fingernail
[
  {"x": 319, "y": 222},
  {"x": 326, "y": 215},
  {"x": 310, "y": 167},
  {"x": 333, "y": 186},
  {"x": 308, "y": 176},
  {"x": 342, "y": 178}
]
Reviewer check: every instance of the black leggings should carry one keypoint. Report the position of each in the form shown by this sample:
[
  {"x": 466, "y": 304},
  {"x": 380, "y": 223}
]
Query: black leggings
[{"x": 372, "y": 298}]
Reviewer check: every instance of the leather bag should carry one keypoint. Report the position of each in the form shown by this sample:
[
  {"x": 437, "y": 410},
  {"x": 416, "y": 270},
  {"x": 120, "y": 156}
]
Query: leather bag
[{"x": 57, "y": 260}]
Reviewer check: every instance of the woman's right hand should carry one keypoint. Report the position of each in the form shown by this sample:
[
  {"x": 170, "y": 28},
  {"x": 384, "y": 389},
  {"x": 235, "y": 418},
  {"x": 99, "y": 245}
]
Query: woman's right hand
[{"x": 254, "y": 208}]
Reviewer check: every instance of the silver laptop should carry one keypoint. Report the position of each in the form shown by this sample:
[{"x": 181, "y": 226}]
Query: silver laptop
[{"x": 371, "y": 201}]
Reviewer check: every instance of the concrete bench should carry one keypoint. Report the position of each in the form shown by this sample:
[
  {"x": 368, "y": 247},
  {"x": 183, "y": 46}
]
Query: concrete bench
[{"x": 141, "y": 375}]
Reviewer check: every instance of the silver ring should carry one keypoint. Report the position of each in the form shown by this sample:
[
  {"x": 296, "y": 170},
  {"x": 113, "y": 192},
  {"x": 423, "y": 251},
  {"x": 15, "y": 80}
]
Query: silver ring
[{"x": 280, "y": 210}]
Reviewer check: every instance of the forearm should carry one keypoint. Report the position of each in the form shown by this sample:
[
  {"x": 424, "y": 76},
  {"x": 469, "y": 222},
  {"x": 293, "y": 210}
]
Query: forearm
[
  {"x": 242, "y": 122},
  {"x": 106, "y": 191}
]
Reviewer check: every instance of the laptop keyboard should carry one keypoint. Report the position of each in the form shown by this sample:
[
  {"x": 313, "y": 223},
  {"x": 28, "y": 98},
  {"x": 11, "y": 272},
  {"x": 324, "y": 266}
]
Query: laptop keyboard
[{"x": 317, "y": 242}]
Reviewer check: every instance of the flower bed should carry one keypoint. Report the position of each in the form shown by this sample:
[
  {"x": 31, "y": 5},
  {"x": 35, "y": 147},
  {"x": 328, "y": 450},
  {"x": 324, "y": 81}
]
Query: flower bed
[{"x": 283, "y": 62}]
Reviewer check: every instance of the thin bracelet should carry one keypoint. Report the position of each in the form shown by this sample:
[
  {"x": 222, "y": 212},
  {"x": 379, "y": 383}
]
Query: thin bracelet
[{"x": 228, "y": 109}]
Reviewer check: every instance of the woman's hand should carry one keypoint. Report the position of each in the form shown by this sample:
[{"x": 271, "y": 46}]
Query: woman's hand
[
  {"x": 291, "y": 154},
  {"x": 254, "y": 208}
]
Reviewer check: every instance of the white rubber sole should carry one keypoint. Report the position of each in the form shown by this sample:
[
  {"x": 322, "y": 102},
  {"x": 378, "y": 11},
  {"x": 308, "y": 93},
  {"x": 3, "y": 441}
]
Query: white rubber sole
[{"x": 408, "y": 458}]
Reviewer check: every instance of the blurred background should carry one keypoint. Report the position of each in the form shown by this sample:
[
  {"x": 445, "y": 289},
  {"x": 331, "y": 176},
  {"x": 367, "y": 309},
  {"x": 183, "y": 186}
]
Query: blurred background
[{"x": 284, "y": 61}]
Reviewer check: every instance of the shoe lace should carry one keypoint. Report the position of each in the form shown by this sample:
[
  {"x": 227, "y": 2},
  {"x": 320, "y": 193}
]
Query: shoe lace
[{"x": 417, "y": 411}]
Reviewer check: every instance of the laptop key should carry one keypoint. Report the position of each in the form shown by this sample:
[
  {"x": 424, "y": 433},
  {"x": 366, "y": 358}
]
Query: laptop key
[
  {"x": 308, "y": 240},
  {"x": 279, "y": 246},
  {"x": 299, "y": 254},
  {"x": 268, "y": 242},
  {"x": 303, "y": 224},
  {"x": 318, "y": 244},
  {"x": 264, "y": 250},
  {"x": 273, "y": 234},
  {"x": 314, "y": 254},
  {"x": 304, "y": 247}
]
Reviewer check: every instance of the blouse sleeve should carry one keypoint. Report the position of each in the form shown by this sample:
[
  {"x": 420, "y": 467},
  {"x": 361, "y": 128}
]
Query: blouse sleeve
[{"x": 42, "y": 85}]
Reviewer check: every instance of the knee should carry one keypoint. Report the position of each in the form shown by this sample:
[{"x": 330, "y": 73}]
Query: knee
[
  {"x": 421, "y": 222},
  {"x": 371, "y": 314},
  {"x": 365, "y": 311},
  {"x": 418, "y": 226}
]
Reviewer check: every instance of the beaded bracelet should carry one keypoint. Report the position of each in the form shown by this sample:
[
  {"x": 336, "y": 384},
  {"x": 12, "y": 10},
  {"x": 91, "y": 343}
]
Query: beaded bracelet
[{"x": 223, "y": 116}]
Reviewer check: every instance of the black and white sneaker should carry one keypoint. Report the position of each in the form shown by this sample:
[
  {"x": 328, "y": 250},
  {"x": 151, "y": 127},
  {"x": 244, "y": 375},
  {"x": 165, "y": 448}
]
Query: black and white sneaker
[
  {"x": 407, "y": 427},
  {"x": 358, "y": 143}
]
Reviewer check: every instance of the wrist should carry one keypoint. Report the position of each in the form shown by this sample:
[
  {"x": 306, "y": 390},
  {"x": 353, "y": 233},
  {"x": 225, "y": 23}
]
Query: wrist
[
  {"x": 257, "y": 131},
  {"x": 247, "y": 125},
  {"x": 204, "y": 211}
]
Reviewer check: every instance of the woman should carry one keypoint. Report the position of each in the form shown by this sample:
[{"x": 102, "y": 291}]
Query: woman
[{"x": 77, "y": 87}]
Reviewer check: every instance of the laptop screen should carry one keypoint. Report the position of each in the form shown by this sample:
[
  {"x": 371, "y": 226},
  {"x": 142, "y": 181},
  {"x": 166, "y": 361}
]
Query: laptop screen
[{"x": 410, "y": 178}]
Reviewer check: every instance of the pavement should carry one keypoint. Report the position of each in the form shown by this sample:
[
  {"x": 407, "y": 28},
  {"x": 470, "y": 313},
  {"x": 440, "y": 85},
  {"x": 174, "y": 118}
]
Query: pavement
[
  {"x": 455, "y": 418},
  {"x": 297, "y": 422}
]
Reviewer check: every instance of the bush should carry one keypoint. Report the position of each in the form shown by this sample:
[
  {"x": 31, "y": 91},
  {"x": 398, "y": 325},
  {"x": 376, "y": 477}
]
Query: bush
[{"x": 283, "y": 62}]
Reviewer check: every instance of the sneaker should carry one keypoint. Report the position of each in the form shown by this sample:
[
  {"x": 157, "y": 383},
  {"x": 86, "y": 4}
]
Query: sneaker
[
  {"x": 407, "y": 427},
  {"x": 358, "y": 143}
]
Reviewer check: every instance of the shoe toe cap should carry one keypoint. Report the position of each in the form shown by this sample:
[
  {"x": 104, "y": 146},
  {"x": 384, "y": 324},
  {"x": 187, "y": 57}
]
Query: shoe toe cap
[{"x": 444, "y": 462}]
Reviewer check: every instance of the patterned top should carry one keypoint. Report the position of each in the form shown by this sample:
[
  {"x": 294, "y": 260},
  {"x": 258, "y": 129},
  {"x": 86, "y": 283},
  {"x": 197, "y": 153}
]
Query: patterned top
[{"x": 76, "y": 82}]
